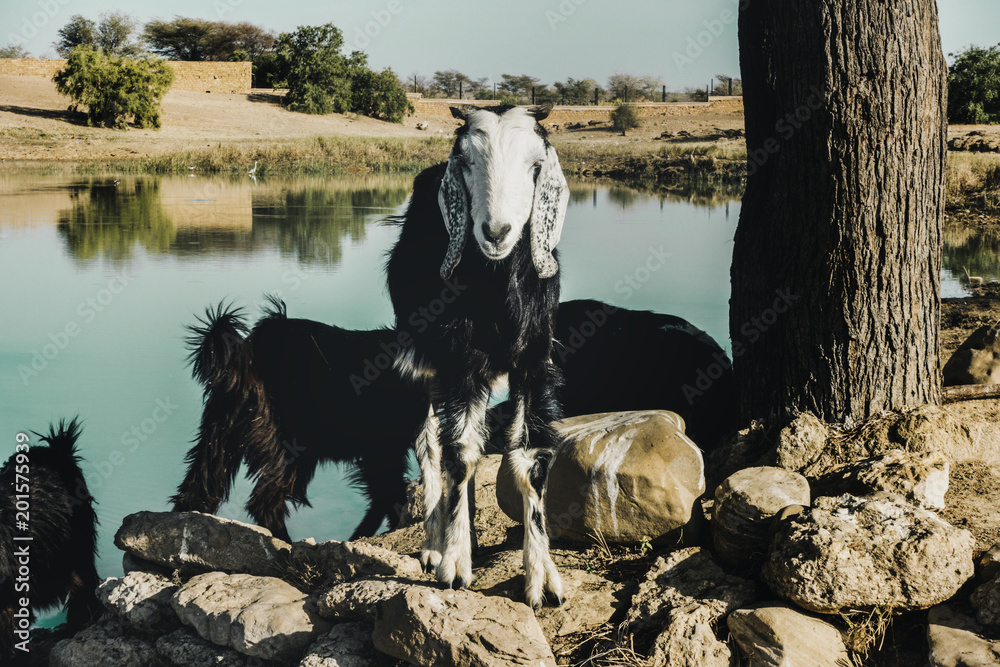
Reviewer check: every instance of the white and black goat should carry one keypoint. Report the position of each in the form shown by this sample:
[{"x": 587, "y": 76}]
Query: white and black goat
[{"x": 471, "y": 320}]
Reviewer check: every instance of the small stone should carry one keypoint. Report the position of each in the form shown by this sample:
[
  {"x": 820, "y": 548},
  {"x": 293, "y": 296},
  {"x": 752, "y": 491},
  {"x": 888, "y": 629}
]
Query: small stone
[
  {"x": 955, "y": 640},
  {"x": 776, "y": 635},
  {"x": 185, "y": 648},
  {"x": 202, "y": 542},
  {"x": 745, "y": 505},
  {"x": 801, "y": 443},
  {"x": 427, "y": 626},
  {"x": 919, "y": 477},
  {"x": 107, "y": 642},
  {"x": 357, "y": 600},
  {"x": 141, "y": 599},
  {"x": 262, "y": 617},
  {"x": 689, "y": 641},
  {"x": 351, "y": 560},
  {"x": 346, "y": 645},
  {"x": 986, "y": 600}
]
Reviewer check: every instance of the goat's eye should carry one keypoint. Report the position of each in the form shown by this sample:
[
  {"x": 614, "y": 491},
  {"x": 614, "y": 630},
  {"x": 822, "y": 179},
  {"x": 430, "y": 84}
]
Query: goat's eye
[{"x": 536, "y": 168}]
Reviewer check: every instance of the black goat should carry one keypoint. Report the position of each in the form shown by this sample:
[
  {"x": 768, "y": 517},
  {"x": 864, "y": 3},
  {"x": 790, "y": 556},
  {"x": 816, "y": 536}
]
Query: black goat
[
  {"x": 291, "y": 394},
  {"x": 615, "y": 359},
  {"x": 465, "y": 325},
  {"x": 44, "y": 488}
]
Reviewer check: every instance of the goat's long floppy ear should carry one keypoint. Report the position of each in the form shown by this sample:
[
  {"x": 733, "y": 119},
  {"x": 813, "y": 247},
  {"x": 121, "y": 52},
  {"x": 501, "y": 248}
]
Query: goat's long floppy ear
[
  {"x": 548, "y": 212},
  {"x": 454, "y": 203}
]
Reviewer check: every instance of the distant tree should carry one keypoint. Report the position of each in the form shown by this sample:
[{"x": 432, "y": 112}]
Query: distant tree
[
  {"x": 696, "y": 94},
  {"x": 634, "y": 88},
  {"x": 180, "y": 39},
  {"x": 14, "y": 51},
  {"x": 722, "y": 85},
  {"x": 321, "y": 80},
  {"x": 79, "y": 31},
  {"x": 196, "y": 39},
  {"x": 114, "y": 34},
  {"x": 518, "y": 86},
  {"x": 576, "y": 92},
  {"x": 545, "y": 95},
  {"x": 974, "y": 86},
  {"x": 417, "y": 83},
  {"x": 116, "y": 91},
  {"x": 624, "y": 117},
  {"x": 448, "y": 82}
]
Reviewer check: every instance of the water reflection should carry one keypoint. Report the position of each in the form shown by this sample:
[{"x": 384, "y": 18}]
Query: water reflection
[
  {"x": 110, "y": 219},
  {"x": 304, "y": 219},
  {"x": 974, "y": 248}
]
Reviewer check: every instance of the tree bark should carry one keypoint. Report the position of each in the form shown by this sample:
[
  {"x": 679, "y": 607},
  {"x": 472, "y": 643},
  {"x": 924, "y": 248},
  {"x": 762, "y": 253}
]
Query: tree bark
[{"x": 836, "y": 266}]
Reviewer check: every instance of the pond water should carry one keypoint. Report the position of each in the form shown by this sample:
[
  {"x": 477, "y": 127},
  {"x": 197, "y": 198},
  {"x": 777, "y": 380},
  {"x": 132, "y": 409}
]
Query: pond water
[{"x": 100, "y": 278}]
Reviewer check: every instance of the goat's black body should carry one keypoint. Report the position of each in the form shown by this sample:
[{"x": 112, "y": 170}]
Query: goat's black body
[
  {"x": 63, "y": 528},
  {"x": 614, "y": 359},
  {"x": 293, "y": 394}
]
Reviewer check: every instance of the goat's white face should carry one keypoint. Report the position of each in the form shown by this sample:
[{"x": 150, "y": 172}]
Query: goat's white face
[{"x": 502, "y": 175}]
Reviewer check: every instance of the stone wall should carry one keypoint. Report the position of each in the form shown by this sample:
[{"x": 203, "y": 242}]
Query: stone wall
[
  {"x": 202, "y": 77},
  {"x": 569, "y": 114}
]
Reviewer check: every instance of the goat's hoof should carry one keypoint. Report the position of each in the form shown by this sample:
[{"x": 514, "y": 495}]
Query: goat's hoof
[
  {"x": 458, "y": 583},
  {"x": 554, "y": 599},
  {"x": 429, "y": 560}
]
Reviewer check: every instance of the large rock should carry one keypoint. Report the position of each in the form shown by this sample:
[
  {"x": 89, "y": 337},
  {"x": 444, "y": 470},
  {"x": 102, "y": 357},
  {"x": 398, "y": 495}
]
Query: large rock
[
  {"x": 977, "y": 360},
  {"x": 919, "y": 477},
  {"x": 107, "y": 642},
  {"x": 357, "y": 600},
  {"x": 856, "y": 553},
  {"x": 346, "y": 645},
  {"x": 350, "y": 560},
  {"x": 435, "y": 628},
  {"x": 141, "y": 599},
  {"x": 185, "y": 648},
  {"x": 689, "y": 641},
  {"x": 262, "y": 617},
  {"x": 623, "y": 475},
  {"x": 956, "y": 641},
  {"x": 682, "y": 578},
  {"x": 198, "y": 542},
  {"x": 745, "y": 506},
  {"x": 775, "y": 635}
]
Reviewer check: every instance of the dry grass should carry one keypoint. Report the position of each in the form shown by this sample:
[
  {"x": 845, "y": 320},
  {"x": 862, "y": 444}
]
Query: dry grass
[{"x": 973, "y": 181}]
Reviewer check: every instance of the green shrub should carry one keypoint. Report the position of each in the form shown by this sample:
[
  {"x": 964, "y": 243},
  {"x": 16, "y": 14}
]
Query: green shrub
[
  {"x": 117, "y": 92},
  {"x": 974, "y": 87},
  {"x": 625, "y": 118},
  {"x": 379, "y": 95}
]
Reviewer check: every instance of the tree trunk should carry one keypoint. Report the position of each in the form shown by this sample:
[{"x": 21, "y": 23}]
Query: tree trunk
[{"x": 837, "y": 258}]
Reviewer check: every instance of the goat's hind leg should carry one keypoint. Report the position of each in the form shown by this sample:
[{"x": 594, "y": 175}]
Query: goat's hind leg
[{"x": 428, "y": 450}]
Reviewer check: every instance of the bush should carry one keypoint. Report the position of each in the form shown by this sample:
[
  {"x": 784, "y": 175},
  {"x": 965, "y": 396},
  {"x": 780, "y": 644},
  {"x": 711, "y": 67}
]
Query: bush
[
  {"x": 625, "y": 118},
  {"x": 974, "y": 87},
  {"x": 117, "y": 92},
  {"x": 379, "y": 95}
]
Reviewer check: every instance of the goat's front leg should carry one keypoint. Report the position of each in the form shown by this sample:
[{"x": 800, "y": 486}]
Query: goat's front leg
[
  {"x": 429, "y": 457},
  {"x": 532, "y": 442},
  {"x": 462, "y": 414}
]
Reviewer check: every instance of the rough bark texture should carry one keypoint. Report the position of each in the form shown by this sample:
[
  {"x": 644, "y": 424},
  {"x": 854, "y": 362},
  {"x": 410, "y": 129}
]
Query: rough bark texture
[{"x": 836, "y": 266}]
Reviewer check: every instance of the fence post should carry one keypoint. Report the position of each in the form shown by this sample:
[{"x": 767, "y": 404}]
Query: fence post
[
  {"x": 730, "y": 86},
  {"x": 664, "y": 93},
  {"x": 459, "y": 90},
  {"x": 595, "y": 96},
  {"x": 625, "y": 101},
  {"x": 532, "y": 94}
]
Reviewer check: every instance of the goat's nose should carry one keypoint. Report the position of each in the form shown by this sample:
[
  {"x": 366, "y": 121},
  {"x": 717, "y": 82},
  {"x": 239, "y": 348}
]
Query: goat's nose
[{"x": 495, "y": 236}]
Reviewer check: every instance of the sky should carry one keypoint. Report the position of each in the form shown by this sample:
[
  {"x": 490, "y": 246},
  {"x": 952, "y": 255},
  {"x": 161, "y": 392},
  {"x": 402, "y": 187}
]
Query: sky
[{"x": 684, "y": 42}]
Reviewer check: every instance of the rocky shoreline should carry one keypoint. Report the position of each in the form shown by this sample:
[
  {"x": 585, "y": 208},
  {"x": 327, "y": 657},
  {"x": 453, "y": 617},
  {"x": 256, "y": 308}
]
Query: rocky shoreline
[{"x": 842, "y": 548}]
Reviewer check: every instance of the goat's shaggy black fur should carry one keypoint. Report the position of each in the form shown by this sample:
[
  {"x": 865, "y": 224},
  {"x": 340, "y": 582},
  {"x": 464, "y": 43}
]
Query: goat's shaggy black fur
[
  {"x": 63, "y": 531},
  {"x": 615, "y": 359},
  {"x": 288, "y": 396}
]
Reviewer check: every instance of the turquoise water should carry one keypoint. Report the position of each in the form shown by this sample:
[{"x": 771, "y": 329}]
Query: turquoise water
[{"x": 101, "y": 279}]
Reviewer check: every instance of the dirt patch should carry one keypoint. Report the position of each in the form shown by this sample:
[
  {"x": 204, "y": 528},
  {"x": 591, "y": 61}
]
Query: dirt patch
[{"x": 971, "y": 502}]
